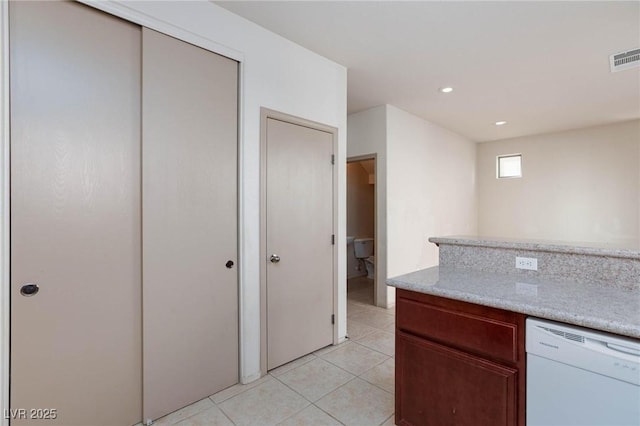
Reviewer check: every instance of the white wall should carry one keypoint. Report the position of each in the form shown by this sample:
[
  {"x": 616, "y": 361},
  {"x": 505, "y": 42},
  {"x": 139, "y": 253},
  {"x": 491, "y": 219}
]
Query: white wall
[
  {"x": 276, "y": 74},
  {"x": 367, "y": 135},
  {"x": 425, "y": 187},
  {"x": 580, "y": 185},
  {"x": 431, "y": 189}
]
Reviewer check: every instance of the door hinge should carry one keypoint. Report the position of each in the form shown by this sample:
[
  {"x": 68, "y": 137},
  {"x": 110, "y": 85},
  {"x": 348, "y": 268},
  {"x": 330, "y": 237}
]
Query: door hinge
[
  {"x": 333, "y": 159},
  {"x": 333, "y": 318},
  {"x": 333, "y": 239}
]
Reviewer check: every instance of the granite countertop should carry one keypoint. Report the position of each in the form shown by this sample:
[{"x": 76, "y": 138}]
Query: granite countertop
[
  {"x": 610, "y": 309},
  {"x": 593, "y": 249}
]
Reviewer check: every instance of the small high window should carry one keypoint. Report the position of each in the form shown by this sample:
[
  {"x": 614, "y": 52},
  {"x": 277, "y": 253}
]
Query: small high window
[{"x": 509, "y": 166}]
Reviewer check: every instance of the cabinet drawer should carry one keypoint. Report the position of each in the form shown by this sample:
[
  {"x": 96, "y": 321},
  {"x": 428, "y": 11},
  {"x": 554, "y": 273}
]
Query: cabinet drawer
[
  {"x": 483, "y": 335},
  {"x": 439, "y": 386}
]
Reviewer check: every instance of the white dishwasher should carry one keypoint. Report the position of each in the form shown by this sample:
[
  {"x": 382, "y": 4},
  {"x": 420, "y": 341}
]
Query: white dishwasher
[{"x": 579, "y": 377}]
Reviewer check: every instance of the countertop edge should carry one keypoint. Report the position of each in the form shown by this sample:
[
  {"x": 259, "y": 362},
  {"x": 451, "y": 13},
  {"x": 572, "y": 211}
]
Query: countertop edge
[{"x": 595, "y": 323}]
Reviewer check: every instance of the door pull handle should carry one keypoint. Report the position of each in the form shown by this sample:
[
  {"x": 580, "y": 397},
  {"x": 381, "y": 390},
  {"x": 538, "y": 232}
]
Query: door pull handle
[{"x": 29, "y": 290}]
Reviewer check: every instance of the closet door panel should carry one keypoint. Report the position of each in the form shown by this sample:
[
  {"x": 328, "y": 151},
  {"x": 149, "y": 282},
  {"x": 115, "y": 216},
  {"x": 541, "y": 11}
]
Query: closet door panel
[
  {"x": 190, "y": 323},
  {"x": 75, "y": 216}
]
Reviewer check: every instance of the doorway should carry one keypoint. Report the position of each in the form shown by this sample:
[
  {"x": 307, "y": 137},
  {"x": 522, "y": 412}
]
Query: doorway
[
  {"x": 298, "y": 238},
  {"x": 361, "y": 226}
]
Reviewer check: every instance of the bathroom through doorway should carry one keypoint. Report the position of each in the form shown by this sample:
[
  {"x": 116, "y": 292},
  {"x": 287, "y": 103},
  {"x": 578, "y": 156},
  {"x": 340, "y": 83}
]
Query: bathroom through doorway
[{"x": 361, "y": 227}]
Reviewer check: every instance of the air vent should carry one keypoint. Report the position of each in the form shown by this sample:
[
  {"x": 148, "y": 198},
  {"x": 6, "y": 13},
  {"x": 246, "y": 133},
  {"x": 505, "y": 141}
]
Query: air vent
[
  {"x": 566, "y": 335},
  {"x": 625, "y": 60}
]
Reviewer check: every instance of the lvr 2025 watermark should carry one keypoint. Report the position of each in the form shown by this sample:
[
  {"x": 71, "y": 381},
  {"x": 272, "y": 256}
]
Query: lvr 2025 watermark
[{"x": 31, "y": 413}]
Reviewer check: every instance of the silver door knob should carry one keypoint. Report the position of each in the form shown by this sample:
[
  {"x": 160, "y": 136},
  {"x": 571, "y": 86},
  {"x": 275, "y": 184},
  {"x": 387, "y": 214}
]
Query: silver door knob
[{"x": 274, "y": 258}]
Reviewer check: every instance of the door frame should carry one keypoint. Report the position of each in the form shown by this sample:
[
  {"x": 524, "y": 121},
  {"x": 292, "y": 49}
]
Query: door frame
[
  {"x": 266, "y": 113},
  {"x": 5, "y": 287},
  {"x": 120, "y": 10},
  {"x": 379, "y": 258}
]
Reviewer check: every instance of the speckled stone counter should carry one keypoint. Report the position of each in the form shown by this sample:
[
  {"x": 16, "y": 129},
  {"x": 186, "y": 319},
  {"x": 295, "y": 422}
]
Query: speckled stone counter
[
  {"x": 611, "y": 309},
  {"x": 609, "y": 266}
]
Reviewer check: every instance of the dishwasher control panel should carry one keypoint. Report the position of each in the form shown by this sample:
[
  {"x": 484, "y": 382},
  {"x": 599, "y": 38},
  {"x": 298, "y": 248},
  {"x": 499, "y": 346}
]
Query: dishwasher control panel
[{"x": 601, "y": 353}]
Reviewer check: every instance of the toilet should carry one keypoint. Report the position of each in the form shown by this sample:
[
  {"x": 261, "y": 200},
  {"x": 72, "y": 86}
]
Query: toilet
[
  {"x": 363, "y": 248},
  {"x": 353, "y": 264}
]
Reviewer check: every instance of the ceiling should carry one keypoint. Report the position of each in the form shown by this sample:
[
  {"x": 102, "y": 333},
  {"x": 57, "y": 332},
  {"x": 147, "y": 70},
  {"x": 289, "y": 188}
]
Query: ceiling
[{"x": 541, "y": 66}]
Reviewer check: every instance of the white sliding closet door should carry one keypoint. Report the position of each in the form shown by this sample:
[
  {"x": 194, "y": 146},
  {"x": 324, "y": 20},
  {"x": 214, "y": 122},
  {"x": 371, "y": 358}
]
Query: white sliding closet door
[
  {"x": 190, "y": 283},
  {"x": 75, "y": 217}
]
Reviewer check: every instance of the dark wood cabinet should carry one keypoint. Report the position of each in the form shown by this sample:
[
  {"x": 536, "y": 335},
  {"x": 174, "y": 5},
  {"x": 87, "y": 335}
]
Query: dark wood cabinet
[{"x": 458, "y": 363}]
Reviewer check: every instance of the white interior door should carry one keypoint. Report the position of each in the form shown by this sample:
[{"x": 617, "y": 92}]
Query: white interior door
[
  {"x": 190, "y": 280},
  {"x": 75, "y": 216},
  {"x": 299, "y": 226}
]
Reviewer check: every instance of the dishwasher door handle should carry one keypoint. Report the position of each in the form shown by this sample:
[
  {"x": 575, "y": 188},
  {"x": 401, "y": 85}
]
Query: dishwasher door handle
[{"x": 623, "y": 349}]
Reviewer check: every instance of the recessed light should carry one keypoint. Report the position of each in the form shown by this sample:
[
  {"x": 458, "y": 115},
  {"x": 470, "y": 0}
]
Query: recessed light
[
  {"x": 500, "y": 123},
  {"x": 446, "y": 89}
]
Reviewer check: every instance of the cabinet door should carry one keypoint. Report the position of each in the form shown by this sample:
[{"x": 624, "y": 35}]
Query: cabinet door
[{"x": 440, "y": 386}]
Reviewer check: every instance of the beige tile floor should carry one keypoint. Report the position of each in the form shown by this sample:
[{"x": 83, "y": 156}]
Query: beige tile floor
[
  {"x": 348, "y": 384},
  {"x": 360, "y": 290}
]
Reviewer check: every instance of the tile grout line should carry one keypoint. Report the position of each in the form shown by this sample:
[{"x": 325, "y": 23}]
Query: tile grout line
[
  {"x": 311, "y": 355},
  {"x": 389, "y": 418},
  {"x": 336, "y": 389},
  {"x": 284, "y": 384},
  {"x": 295, "y": 391},
  {"x": 373, "y": 384},
  {"x": 358, "y": 375},
  {"x": 224, "y": 413},
  {"x": 371, "y": 349},
  {"x": 314, "y": 403},
  {"x": 194, "y": 414},
  {"x": 339, "y": 387},
  {"x": 328, "y": 414},
  {"x": 247, "y": 387},
  {"x": 333, "y": 365}
]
